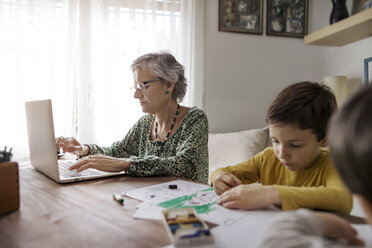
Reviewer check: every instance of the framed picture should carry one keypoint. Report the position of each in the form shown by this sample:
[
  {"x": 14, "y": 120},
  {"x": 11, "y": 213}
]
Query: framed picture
[
  {"x": 287, "y": 18},
  {"x": 368, "y": 70},
  {"x": 244, "y": 16}
]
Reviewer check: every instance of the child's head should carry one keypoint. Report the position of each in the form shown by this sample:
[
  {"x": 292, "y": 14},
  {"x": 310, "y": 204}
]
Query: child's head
[
  {"x": 298, "y": 120},
  {"x": 305, "y": 105},
  {"x": 350, "y": 140}
]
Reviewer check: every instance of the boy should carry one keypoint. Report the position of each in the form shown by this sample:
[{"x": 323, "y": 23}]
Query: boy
[
  {"x": 296, "y": 172},
  {"x": 350, "y": 139}
]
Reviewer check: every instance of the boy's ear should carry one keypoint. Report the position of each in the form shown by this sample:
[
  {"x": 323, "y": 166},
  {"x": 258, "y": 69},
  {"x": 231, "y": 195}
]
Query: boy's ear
[{"x": 324, "y": 142}]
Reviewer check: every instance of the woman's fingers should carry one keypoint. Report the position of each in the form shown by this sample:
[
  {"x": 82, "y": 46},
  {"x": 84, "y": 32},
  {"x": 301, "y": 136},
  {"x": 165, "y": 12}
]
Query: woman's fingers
[
  {"x": 101, "y": 162},
  {"x": 82, "y": 164},
  {"x": 59, "y": 142},
  {"x": 70, "y": 145},
  {"x": 62, "y": 142}
]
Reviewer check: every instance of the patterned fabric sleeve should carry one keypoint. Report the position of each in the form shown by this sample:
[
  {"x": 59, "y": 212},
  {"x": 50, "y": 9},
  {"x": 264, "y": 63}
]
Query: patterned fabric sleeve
[
  {"x": 190, "y": 160},
  {"x": 185, "y": 153},
  {"x": 126, "y": 147}
]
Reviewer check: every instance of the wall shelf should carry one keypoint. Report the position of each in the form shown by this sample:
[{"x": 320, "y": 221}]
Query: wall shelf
[{"x": 353, "y": 28}]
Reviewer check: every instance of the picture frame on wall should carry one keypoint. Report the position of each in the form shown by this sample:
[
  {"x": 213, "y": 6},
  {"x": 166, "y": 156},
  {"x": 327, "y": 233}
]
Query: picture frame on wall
[
  {"x": 243, "y": 16},
  {"x": 287, "y": 18},
  {"x": 368, "y": 70}
]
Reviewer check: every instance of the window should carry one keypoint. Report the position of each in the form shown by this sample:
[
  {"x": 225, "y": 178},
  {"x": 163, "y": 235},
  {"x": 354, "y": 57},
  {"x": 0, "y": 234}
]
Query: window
[{"x": 78, "y": 53}]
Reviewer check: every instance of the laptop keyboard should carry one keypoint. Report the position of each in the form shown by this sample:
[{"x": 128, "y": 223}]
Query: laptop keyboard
[{"x": 63, "y": 166}]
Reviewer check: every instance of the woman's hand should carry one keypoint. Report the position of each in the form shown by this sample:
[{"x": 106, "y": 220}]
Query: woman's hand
[
  {"x": 101, "y": 162},
  {"x": 336, "y": 228},
  {"x": 71, "y": 145},
  {"x": 225, "y": 181},
  {"x": 250, "y": 196}
]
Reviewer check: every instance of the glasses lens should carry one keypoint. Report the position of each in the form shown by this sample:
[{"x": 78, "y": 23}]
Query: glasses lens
[
  {"x": 139, "y": 87},
  {"x": 142, "y": 86}
]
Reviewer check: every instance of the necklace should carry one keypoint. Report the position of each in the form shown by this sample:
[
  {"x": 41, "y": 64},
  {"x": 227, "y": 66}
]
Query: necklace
[{"x": 161, "y": 143}]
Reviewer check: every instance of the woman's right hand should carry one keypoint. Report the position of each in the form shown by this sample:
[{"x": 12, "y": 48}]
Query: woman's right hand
[
  {"x": 225, "y": 181},
  {"x": 72, "y": 145}
]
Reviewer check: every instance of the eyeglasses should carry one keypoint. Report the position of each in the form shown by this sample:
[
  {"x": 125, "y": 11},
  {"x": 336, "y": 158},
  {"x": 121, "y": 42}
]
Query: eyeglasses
[{"x": 141, "y": 86}]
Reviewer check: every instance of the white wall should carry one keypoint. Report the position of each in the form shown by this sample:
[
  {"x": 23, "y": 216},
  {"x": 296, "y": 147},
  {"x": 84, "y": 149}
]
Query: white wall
[
  {"x": 347, "y": 60},
  {"x": 244, "y": 72}
]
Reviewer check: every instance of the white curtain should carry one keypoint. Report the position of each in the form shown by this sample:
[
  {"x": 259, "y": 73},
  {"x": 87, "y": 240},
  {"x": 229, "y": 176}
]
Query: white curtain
[
  {"x": 38, "y": 59},
  {"x": 194, "y": 51},
  {"x": 78, "y": 54}
]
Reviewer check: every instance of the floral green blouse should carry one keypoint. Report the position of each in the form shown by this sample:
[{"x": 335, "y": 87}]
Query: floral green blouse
[{"x": 184, "y": 155}]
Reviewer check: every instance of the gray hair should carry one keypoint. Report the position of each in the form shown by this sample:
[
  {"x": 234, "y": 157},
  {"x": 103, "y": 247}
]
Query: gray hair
[{"x": 165, "y": 66}]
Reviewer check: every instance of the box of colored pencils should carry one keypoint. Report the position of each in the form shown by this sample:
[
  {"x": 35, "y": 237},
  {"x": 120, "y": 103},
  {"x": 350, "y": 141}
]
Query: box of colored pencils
[{"x": 185, "y": 229}]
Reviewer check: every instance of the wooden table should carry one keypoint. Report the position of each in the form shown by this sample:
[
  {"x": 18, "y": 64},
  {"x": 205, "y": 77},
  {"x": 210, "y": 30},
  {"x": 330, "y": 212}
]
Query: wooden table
[
  {"x": 82, "y": 214},
  {"x": 79, "y": 214}
]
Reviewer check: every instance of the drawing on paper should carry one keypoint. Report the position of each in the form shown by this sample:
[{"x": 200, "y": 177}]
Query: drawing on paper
[
  {"x": 203, "y": 201},
  {"x": 161, "y": 192}
]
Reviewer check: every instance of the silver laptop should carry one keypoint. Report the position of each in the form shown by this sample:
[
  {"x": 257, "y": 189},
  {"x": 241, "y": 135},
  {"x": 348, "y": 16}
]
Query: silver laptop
[{"x": 43, "y": 151}]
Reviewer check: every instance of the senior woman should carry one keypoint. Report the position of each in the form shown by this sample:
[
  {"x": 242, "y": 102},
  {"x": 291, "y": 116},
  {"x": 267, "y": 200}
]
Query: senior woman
[{"x": 169, "y": 140}]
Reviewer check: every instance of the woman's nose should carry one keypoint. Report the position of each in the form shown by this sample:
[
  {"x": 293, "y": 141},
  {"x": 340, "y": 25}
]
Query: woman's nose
[{"x": 137, "y": 93}]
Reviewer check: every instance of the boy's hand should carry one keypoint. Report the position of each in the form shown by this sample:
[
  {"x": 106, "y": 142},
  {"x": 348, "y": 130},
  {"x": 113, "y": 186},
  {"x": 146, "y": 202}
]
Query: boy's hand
[
  {"x": 337, "y": 227},
  {"x": 250, "y": 196},
  {"x": 225, "y": 181}
]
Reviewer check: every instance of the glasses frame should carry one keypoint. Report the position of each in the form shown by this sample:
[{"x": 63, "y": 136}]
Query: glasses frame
[{"x": 141, "y": 85}]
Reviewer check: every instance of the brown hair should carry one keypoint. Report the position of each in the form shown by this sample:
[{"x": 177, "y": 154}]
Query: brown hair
[
  {"x": 350, "y": 141},
  {"x": 305, "y": 104}
]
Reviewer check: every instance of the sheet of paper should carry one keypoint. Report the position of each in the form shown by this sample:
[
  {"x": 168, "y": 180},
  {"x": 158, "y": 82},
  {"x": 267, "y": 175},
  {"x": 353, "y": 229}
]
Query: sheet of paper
[
  {"x": 223, "y": 216},
  {"x": 218, "y": 215},
  {"x": 245, "y": 231},
  {"x": 161, "y": 192},
  {"x": 148, "y": 211},
  {"x": 248, "y": 230},
  {"x": 237, "y": 228},
  {"x": 203, "y": 201},
  {"x": 364, "y": 232}
]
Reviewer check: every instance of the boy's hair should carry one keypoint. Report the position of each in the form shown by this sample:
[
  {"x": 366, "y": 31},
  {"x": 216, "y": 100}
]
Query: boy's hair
[
  {"x": 305, "y": 104},
  {"x": 350, "y": 140}
]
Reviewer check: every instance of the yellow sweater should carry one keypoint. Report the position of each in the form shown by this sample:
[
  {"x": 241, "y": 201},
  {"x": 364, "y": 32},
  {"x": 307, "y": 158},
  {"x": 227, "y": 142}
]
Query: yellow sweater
[{"x": 317, "y": 187}]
